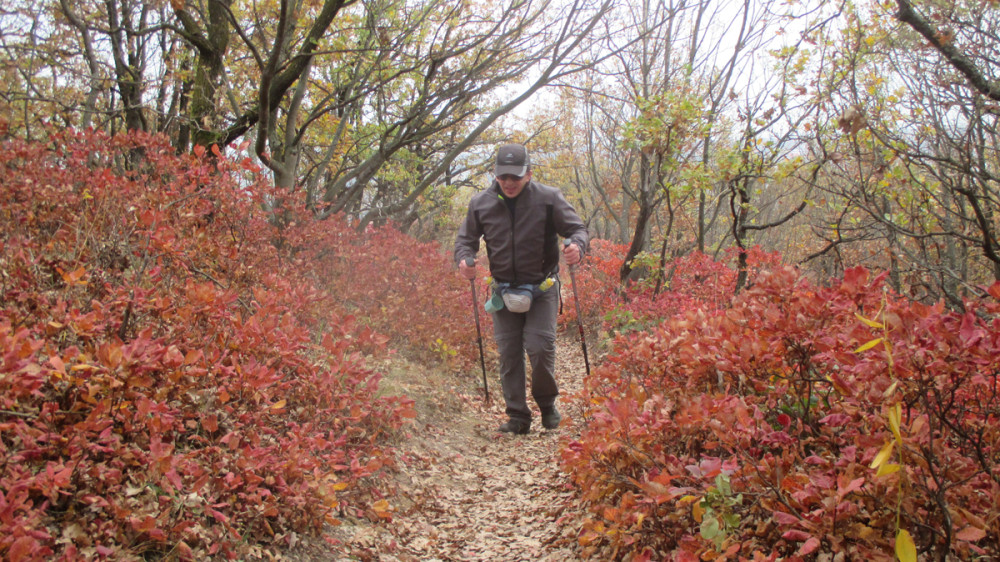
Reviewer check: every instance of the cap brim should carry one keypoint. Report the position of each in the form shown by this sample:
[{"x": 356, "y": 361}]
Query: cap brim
[{"x": 518, "y": 171}]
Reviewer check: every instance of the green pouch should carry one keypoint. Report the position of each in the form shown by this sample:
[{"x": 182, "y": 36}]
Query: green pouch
[{"x": 494, "y": 304}]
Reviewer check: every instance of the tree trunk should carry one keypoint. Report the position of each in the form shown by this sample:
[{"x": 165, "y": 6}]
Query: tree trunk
[
  {"x": 129, "y": 62},
  {"x": 208, "y": 73},
  {"x": 638, "y": 238},
  {"x": 740, "y": 212}
]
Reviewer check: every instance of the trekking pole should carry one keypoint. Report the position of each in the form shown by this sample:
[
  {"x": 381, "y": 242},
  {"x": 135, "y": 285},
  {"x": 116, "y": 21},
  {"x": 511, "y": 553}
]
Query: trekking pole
[
  {"x": 579, "y": 317},
  {"x": 479, "y": 330}
]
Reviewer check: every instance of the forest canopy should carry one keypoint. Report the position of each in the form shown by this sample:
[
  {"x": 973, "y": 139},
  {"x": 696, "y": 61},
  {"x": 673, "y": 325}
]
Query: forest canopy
[{"x": 838, "y": 133}]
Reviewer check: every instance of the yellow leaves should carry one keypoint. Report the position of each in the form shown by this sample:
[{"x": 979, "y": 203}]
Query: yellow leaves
[
  {"x": 881, "y": 340},
  {"x": 382, "y": 509},
  {"x": 870, "y": 323},
  {"x": 892, "y": 388},
  {"x": 868, "y": 345},
  {"x": 697, "y": 510},
  {"x": 873, "y": 87},
  {"x": 883, "y": 455},
  {"x": 894, "y": 415},
  {"x": 887, "y": 468},
  {"x": 906, "y": 551},
  {"x": 328, "y": 492},
  {"x": 639, "y": 519},
  {"x": 279, "y": 404}
]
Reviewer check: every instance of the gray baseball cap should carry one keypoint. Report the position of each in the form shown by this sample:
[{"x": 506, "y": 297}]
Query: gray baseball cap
[{"x": 512, "y": 159}]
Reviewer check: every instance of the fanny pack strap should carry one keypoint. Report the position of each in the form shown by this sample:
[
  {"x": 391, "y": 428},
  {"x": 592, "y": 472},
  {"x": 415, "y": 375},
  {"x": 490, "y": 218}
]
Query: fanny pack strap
[{"x": 536, "y": 289}]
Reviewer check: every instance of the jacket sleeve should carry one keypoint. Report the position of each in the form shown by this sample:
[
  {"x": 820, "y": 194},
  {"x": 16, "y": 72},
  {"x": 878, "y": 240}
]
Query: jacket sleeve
[
  {"x": 569, "y": 225},
  {"x": 469, "y": 233}
]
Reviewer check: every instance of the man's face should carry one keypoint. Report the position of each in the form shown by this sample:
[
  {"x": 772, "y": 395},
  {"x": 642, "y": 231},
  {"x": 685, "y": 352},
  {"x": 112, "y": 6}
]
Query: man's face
[{"x": 513, "y": 185}]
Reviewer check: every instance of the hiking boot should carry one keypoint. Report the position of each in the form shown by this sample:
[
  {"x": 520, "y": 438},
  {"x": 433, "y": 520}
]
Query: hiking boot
[
  {"x": 517, "y": 427},
  {"x": 550, "y": 417}
]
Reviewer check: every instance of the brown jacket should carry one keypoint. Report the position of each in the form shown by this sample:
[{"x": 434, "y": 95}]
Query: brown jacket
[{"x": 523, "y": 248}]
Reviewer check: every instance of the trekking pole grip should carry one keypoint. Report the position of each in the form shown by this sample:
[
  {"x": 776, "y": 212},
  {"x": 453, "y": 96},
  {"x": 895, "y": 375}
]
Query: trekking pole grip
[{"x": 566, "y": 243}]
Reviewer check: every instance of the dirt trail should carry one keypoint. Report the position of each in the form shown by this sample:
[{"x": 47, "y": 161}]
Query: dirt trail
[{"x": 466, "y": 492}]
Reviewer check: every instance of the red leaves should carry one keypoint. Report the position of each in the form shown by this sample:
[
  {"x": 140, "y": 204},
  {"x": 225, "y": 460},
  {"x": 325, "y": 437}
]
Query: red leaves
[
  {"x": 844, "y": 489},
  {"x": 971, "y": 331},
  {"x": 994, "y": 290},
  {"x": 161, "y": 384},
  {"x": 810, "y": 546},
  {"x": 796, "y": 535},
  {"x": 24, "y": 548},
  {"x": 855, "y": 278},
  {"x": 773, "y": 385}
]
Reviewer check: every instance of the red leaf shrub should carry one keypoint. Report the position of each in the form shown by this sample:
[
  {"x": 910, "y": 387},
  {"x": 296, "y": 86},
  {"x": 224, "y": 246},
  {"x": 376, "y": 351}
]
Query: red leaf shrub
[
  {"x": 691, "y": 281},
  {"x": 175, "y": 376},
  {"x": 797, "y": 420},
  {"x": 596, "y": 281},
  {"x": 406, "y": 290}
]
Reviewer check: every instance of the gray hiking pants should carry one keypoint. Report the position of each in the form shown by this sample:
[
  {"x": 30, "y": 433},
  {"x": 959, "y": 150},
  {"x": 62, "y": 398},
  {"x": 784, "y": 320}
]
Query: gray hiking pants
[{"x": 533, "y": 332}]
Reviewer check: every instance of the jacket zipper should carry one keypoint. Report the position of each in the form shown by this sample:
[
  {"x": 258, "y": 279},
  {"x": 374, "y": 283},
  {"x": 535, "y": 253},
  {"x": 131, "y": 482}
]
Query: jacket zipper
[{"x": 513, "y": 248}]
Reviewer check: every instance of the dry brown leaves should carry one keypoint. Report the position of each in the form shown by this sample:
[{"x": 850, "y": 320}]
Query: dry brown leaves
[{"x": 463, "y": 490}]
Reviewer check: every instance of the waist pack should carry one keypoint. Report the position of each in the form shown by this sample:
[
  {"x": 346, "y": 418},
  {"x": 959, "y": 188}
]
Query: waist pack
[{"x": 516, "y": 298}]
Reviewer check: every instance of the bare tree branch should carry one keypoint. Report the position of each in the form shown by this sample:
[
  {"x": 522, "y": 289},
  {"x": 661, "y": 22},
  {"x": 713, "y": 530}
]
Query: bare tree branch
[{"x": 908, "y": 15}]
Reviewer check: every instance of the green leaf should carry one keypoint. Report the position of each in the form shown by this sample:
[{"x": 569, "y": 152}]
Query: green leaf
[{"x": 710, "y": 528}]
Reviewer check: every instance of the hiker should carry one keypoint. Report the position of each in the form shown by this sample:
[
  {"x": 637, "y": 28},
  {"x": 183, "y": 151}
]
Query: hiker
[{"x": 521, "y": 221}]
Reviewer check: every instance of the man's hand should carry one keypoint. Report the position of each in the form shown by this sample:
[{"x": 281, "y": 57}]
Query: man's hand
[
  {"x": 572, "y": 253},
  {"x": 467, "y": 268}
]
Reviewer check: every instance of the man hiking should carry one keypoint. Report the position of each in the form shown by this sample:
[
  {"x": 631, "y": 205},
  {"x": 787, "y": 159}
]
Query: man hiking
[{"x": 521, "y": 221}]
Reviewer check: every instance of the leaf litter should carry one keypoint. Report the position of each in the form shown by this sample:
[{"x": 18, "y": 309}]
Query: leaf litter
[{"x": 463, "y": 491}]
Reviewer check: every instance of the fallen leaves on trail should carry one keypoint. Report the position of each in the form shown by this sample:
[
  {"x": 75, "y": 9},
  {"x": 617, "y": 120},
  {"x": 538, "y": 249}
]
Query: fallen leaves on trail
[{"x": 465, "y": 491}]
